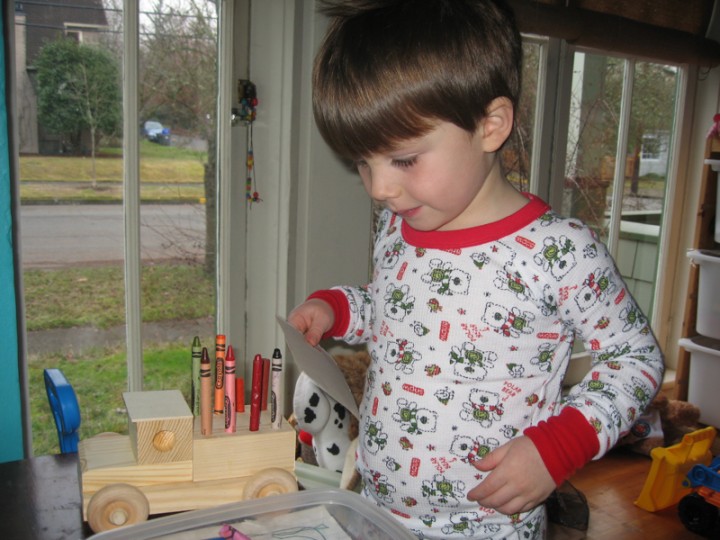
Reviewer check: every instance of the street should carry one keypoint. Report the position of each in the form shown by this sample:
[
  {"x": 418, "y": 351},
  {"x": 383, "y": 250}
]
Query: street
[{"x": 59, "y": 235}]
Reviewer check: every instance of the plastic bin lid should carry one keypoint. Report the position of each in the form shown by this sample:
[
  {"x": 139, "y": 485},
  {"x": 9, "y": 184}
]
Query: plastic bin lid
[
  {"x": 356, "y": 518},
  {"x": 701, "y": 344},
  {"x": 704, "y": 255}
]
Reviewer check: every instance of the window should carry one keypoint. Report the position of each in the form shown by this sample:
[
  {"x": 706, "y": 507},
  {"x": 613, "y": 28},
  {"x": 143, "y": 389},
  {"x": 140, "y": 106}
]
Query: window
[
  {"x": 118, "y": 273},
  {"x": 610, "y": 120}
]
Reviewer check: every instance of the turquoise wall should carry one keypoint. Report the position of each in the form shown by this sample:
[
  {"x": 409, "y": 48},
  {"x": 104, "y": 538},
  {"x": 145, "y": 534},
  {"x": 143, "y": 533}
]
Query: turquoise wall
[{"x": 11, "y": 430}]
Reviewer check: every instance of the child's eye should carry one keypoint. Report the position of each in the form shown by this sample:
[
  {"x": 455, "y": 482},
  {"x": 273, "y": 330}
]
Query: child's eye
[
  {"x": 404, "y": 163},
  {"x": 360, "y": 164}
]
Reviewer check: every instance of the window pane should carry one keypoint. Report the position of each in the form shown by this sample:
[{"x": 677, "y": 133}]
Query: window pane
[
  {"x": 177, "y": 95},
  {"x": 70, "y": 140},
  {"x": 517, "y": 153},
  {"x": 71, "y": 184},
  {"x": 592, "y": 153}
]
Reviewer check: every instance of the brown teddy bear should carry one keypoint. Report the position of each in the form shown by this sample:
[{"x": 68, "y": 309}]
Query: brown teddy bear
[{"x": 663, "y": 424}]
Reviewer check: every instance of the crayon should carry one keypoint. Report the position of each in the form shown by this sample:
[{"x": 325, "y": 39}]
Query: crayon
[
  {"x": 219, "y": 374},
  {"x": 196, "y": 355},
  {"x": 239, "y": 394},
  {"x": 256, "y": 393},
  {"x": 265, "y": 384},
  {"x": 205, "y": 393},
  {"x": 231, "y": 533},
  {"x": 230, "y": 390},
  {"x": 275, "y": 395}
]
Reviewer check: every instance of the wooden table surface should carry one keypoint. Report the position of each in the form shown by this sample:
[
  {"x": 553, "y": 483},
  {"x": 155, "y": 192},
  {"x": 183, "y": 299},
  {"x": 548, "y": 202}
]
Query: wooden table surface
[{"x": 40, "y": 498}]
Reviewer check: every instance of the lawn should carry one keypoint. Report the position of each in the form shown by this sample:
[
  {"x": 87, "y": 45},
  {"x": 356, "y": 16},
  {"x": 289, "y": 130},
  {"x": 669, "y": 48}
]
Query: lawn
[
  {"x": 63, "y": 298},
  {"x": 167, "y": 174},
  {"x": 94, "y": 296}
]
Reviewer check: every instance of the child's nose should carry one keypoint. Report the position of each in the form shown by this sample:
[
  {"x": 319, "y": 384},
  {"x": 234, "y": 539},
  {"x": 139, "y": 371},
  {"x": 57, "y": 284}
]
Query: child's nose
[{"x": 382, "y": 187}]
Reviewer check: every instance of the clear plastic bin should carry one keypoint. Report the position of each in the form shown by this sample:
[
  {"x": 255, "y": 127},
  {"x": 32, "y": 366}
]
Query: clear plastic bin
[
  {"x": 708, "y": 305},
  {"x": 321, "y": 511},
  {"x": 704, "y": 377}
]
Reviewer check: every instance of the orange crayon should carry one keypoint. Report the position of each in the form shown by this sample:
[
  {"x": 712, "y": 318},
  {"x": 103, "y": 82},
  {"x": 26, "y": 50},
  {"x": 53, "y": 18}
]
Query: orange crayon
[
  {"x": 205, "y": 393},
  {"x": 219, "y": 407}
]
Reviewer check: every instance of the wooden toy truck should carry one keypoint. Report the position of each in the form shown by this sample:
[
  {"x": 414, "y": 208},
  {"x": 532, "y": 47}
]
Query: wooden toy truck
[{"x": 166, "y": 465}]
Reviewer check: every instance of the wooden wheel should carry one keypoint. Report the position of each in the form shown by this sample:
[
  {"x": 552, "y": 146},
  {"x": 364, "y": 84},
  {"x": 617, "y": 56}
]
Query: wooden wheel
[
  {"x": 116, "y": 505},
  {"x": 272, "y": 481}
]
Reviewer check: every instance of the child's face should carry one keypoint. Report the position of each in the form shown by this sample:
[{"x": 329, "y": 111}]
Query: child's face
[{"x": 433, "y": 182}]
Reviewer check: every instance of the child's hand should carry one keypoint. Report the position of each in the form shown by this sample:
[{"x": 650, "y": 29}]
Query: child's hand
[
  {"x": 518, "y": 480},
  {"x": 312, "y": 318}
]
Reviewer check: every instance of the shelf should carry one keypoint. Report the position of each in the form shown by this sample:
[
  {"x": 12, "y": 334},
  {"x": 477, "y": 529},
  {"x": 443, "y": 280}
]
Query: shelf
[{"x": 714, "y": 164}]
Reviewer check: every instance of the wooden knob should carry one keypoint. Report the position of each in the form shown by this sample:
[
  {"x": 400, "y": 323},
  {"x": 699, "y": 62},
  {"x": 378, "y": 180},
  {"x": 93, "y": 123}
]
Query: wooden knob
[{"x": 164, "y": 440}]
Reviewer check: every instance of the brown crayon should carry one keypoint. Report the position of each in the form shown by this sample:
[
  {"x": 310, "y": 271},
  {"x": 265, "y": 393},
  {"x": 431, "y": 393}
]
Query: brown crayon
[{"x": 219, "y": 407}]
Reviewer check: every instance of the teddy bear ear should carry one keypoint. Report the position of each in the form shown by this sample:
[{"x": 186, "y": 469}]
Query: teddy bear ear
[{"x": 310, "y": 405}]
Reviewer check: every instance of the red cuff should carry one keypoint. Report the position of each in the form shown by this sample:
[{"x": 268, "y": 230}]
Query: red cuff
[
  {"x": 566, "y": 442},
  {"x": 341, "y": 309}
]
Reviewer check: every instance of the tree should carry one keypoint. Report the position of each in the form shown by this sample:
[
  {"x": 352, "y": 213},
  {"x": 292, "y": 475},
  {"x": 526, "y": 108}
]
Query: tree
[
  {"x": 178, "y": 83},
  {"x": 78, "y": 89}
]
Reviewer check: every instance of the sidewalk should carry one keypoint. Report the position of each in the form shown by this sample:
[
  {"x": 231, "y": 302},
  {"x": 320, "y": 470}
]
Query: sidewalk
[{"x": 84, "y": 339}]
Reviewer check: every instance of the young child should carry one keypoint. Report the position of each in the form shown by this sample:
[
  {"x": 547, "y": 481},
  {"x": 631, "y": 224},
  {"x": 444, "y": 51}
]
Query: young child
[{"x": 478, "y": 290}]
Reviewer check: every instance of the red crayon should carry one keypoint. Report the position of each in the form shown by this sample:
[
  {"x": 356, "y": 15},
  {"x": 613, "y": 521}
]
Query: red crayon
[
  {"x": 219, "y": 407},
  {"x": 230, "y": 391},
  {"x": 205, "y": 393},
  {"x": 256, "y": 393},
  {"x": 265, "y": 384}
]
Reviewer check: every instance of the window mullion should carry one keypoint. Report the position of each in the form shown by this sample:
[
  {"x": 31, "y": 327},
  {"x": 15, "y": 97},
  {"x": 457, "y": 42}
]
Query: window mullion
[
  {"x": 621, "y": 157},
  {"x": 131, "y": 196}
]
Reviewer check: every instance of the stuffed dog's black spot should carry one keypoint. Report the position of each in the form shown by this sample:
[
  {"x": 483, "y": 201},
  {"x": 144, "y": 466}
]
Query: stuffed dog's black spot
[
  {"x": 333, "y": 449},
  {"x": 340, "y": 412},
  {"x": 310, "y": 415},
  {"x": 314, "y": 399}
]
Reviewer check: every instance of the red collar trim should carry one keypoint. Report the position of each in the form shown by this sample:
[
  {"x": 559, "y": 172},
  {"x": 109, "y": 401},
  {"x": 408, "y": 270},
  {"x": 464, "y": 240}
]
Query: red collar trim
[{"x": 481, "y": 234}]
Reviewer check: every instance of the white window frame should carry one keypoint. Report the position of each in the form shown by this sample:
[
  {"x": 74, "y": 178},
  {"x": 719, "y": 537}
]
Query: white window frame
[{"x": 549, "y": 154}]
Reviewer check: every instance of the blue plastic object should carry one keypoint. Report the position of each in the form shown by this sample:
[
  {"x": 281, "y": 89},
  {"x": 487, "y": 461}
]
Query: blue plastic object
[{"x": 65, "y": 409}]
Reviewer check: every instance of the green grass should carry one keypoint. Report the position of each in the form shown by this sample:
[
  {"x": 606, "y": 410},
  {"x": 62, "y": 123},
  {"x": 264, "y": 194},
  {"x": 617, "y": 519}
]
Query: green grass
[
  {"x": 95, "y": 296},
  {"x": 167, "y": 174},
  {"x": 99, "y": 380},
  {"x": 71, "y": 297}
]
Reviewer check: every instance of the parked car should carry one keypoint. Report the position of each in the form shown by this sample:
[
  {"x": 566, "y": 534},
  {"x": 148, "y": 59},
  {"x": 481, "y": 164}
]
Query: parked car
[{"x": 154, "y": 131}]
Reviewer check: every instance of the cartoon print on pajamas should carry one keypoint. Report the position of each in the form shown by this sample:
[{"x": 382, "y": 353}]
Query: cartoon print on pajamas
[
  {"x": 413, "y": 420},
  {"x": 444, "y": 279},
  {"x": 640, "y": 390},
  {"x": 402, "y": 355},
  {"x": 597, "y": 287},
  {"x": 544, "y": 358},
  {"x": 480, "y": 260},
  {"x": 508, "y": 322},
  {"x": 463, "y": 523},
  {"x": 633, "y": 318},
  {"x": 443, "y": 492},
  {"x": 398, "y": 303},
  {"x": 393, "y": 253},
  {"x": 469, "y": 450},
  {"x": 470, "y": 362},
  {"x": 379, "y": 485},
  {"x": 374, "y": 436},
  {"x": 484, "y": 408},
  {"x": 556, "y": 257},
  {"x": 511, "y": 280}
]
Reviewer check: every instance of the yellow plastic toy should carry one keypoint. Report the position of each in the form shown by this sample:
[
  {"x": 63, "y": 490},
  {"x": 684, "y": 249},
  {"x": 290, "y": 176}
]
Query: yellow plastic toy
[{"x": 664, "y": 485}]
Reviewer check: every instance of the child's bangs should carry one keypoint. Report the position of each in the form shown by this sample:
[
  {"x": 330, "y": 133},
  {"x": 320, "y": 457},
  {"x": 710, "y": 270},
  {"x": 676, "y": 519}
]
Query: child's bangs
[{"x": 358, "y": 124}]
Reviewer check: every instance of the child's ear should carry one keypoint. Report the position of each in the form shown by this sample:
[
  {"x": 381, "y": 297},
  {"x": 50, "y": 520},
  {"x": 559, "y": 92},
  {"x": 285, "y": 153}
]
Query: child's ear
[{"x": 498, "y": 123}]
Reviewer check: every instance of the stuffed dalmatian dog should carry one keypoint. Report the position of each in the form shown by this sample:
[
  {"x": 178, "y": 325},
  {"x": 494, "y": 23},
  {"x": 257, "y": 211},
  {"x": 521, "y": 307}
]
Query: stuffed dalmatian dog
[{"x": 325, "y": 420}]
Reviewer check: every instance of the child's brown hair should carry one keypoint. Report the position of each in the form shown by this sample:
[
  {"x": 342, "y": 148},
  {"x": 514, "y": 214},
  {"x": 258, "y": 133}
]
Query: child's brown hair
[{"x": 388, "y": 70}]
